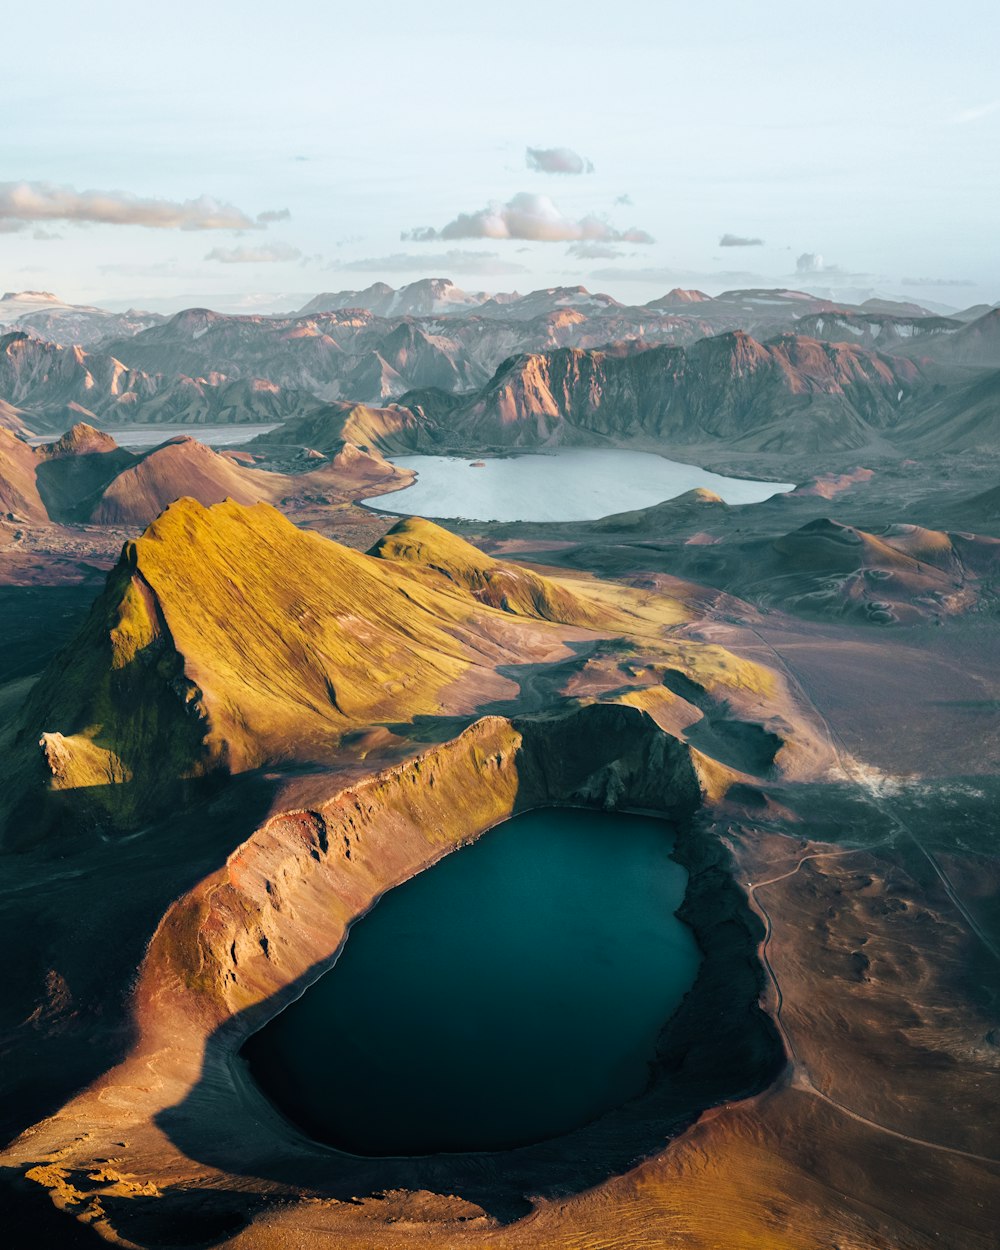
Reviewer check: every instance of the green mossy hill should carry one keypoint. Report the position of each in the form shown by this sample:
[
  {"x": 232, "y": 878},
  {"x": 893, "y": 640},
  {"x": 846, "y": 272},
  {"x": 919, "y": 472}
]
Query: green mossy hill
[
  {"x": 662, "y": 517},
  {"x": 114, "y": 724},
  {"x": 226, "y": 639},
  {"x": 509, "y": 587}
]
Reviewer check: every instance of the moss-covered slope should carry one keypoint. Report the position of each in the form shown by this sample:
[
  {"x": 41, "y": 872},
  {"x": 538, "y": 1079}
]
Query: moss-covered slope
[{"x": 510, "y": 587}]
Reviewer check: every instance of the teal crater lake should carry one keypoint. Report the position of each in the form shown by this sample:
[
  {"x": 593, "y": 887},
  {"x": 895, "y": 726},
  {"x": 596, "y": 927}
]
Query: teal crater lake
[{"x": 511, "y": 993}]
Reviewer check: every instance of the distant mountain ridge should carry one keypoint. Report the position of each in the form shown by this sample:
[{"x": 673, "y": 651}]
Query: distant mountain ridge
[
  {"x": 51, "y": 318},
  {"x": 810, "y": 372},
  {"x": 758, "y": 396},
  {"x": 84, "y": 476},
  {"x": 52, "y": 387},
  {"x": 427, "y": 297}
]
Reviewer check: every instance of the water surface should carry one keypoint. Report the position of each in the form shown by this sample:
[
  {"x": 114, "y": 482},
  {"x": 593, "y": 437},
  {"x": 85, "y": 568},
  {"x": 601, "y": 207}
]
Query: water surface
[
  {"x": 565, "y": 485},
  {"x": 510, "y": 993},
  {"x": 134, "y": 436}
]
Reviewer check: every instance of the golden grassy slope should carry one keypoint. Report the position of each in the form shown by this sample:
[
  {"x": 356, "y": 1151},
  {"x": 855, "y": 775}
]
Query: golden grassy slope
[
  {"x": 227, "y": 638},
  {"x": 510, "y": 587}
]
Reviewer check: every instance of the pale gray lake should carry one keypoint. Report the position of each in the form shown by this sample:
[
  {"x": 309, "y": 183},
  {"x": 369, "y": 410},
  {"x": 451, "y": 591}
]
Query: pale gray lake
[
  {"x": 564, "y": 485},
  {"x": 134, "y": 436}
]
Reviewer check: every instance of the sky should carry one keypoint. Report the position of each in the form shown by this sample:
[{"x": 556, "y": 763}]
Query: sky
[{"x": 247, "y": 154}]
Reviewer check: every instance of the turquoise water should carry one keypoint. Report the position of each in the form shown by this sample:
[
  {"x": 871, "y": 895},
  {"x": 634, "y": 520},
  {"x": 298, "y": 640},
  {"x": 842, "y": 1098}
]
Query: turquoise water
[
  {"x": 510, "y": 993},
  {"x": 564, "y": 485}
]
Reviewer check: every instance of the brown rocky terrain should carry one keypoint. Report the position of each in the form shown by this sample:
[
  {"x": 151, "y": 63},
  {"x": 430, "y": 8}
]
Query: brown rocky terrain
[
  {"x": 226, "y": 736},
  {"x": 86, "y": 477},
  {"x": 753, "y": 395},
  {"x": 646, "y": 691},
  {"x": 762, "y": 370},
  {"x": 51, "y": 387},
  {"x": 46, "y": 316}
]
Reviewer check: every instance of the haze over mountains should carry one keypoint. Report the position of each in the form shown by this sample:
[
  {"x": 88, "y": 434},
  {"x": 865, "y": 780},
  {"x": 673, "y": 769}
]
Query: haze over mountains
[
  {"x": 752, "y": 367},
  {"x": 421, "y": 419},
  {"x": 237, "y": 729},
  {"x": 47, "y": 316}
]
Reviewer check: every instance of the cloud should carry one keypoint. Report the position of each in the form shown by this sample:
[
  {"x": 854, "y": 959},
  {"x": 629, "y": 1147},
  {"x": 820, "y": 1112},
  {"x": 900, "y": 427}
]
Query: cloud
[
  {"x": 526, "y": 216},
  {"x": 594, "y": 251},
  {"x": 22, "y": 202},
  {"x": 976, "y": 113},
  {"x": 453, "y": 261},
  {"x": 45, "y": 236},
  {"x": 937, "y": 282},
  {"x": 557, "y": 161},
  {"x": 663, "y": 276},
  {"x": 624, "y": 200},
  {"x": 149, "y": 269},
  {"x": 739, "y": 240},
  {"x": 265, "y": 254},
  {"x": 273, "y": 214},
  {"x": 812, "y": 262}
]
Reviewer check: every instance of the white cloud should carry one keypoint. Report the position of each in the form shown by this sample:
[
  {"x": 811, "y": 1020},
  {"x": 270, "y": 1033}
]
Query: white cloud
[
  {"x": 273, "y": 214},
  {"x": 812, "y": 262},
  {"x": 976, "y": 113},
  {"x": 527, "y": 216},
  {"x": 151, "y": 269},
  {"x": 557, "y": 161},
  {"x": 664, "y": 276},
  {"x": 22, "y": 202},
  {"x": 937, "y": 282},
  {"x": 594, "y": 251},
  {"x": 265, "y": 254},
  {"x": 740, "y": 240},
  {"x": 452, "y": 261}
]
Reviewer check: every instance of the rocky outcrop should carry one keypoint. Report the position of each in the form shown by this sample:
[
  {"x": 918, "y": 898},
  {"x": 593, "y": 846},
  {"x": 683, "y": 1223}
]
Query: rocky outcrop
[
  {"x": 231, "y": 952},
  {"x": 75, "y": 468},
  {"x": 54, "y": 386},
  {"x": 227, "y": 639},
  {"x": 19, "y": 497},
  {"x": 964, "y": 417},
  {"x": 789, "y": 392}
]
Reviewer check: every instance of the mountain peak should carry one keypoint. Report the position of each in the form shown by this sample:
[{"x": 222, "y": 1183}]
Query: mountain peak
[
  {"x": 48, "y": 296},
  {"x": 79, "y": 440}
]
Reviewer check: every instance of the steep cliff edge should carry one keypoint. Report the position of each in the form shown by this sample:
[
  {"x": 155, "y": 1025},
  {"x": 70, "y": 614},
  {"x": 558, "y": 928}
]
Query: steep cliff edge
[{"x": 790, "y": 392}]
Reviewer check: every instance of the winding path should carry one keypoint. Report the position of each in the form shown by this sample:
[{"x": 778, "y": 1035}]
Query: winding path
[{"x": 853, "y": 772}]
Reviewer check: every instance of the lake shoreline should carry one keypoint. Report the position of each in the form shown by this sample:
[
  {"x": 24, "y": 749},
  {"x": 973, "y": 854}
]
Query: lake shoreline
[{"x": 557, "y": 485}]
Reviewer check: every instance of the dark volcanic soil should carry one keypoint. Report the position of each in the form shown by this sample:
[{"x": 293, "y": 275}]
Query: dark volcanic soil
[{"x": 841, "y": 1045}]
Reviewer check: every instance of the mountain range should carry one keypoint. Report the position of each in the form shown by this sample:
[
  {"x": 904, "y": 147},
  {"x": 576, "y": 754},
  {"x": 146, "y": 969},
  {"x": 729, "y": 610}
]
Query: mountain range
[
  {"x": 376, "y": 344},
  {"x": 47, "y": 316},
  {"x": 45, "y": 386},
  {"x": 86, "y": 477},
  {"x": 437, "y": 370}
]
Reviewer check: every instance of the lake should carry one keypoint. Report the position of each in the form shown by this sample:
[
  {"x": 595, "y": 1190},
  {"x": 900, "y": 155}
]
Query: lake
[
  {"x": 510, "y": 993},
  {"x": 566, "y": 485},
  {"x": 134, "y": 436}
]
